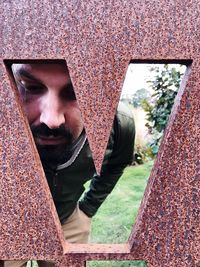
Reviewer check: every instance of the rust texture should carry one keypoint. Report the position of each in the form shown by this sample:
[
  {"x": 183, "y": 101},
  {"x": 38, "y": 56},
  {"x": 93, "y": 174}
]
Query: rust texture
[{"x": 98, "y": 39}]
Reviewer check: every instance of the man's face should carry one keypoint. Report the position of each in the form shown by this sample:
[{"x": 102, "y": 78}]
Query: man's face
[{"x": 50, "y": 104}]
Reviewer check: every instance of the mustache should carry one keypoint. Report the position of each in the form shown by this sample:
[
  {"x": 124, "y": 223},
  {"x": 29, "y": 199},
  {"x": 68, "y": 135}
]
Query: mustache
[{"x": 44, "y": 130}]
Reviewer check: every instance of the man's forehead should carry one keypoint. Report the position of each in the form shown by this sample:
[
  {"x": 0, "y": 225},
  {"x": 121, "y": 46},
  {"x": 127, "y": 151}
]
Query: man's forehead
[{"x": 37, "y": 67}]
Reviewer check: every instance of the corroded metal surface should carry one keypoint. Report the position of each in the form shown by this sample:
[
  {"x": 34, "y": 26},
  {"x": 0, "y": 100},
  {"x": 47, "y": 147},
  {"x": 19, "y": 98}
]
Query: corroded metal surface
[{"x": 98, "y": 39}]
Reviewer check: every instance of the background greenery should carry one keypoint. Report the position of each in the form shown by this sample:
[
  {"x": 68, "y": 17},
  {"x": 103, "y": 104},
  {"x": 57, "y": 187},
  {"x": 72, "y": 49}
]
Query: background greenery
[
  {"x": 164, "y": 85},
  {"x": 155, "y": 101},
  {"x": 116, "y": 264},
  {"x": 114, "y": 219}
]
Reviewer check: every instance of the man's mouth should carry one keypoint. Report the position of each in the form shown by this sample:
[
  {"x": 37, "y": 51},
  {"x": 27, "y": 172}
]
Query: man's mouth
[
  {"x": 44, "y": 136},
  {"x": 49, "y": 140}
]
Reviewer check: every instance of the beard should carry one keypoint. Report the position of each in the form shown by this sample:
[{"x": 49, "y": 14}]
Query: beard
[{"x": 54, "y": 155}]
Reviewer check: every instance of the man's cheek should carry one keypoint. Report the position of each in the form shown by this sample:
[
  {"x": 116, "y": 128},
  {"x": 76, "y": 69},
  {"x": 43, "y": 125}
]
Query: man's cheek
[
  {"x": 32, "y": 112},
  {"x": 22, "y": 94}
]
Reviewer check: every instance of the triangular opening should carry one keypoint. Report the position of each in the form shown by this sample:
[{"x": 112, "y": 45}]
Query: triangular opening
[{"x": 149, "y": 92}]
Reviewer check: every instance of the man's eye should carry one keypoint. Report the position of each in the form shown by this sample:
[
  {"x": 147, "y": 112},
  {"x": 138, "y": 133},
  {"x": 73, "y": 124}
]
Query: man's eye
[
  {"x": 68, "y": 93},
  {"x": 32, "y": 88}
]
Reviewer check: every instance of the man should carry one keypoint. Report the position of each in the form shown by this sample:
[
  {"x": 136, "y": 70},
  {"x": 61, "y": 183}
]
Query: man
[{"x": 54, "y": 117}]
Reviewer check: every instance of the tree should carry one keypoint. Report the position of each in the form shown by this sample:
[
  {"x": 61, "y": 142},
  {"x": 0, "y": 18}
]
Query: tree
[
  {"x": 139, "y": 96},
  {"x": 165, "y": 85}
]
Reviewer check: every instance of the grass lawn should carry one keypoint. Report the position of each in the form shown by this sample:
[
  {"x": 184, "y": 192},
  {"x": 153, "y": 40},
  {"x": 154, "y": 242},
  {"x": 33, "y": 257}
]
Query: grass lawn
[
  {"x": 114, "y": 220},
  {"x": 116, "y": 264}
]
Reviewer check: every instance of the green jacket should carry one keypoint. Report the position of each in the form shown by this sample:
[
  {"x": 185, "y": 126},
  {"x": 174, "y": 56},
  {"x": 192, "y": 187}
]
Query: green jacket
[{"x": 67, "y": 181}]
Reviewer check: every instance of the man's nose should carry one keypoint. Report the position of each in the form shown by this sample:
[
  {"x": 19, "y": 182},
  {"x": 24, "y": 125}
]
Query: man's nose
[{"x": 51, "y": 112}]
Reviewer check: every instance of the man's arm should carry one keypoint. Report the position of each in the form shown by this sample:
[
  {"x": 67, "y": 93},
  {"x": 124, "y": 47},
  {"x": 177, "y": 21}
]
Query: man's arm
[{"x": 122, "y": 137}]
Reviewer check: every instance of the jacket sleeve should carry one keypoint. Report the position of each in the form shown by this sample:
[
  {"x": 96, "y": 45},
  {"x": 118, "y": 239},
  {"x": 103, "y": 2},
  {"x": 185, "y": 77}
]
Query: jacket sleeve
[{"x": 122, "y": 137}]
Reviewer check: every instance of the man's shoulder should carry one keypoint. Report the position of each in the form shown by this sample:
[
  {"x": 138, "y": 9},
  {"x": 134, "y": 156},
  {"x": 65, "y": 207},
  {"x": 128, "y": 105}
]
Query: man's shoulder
[
  {"x": 121, "y": 141},
  {"x": 124, "y": 117}
]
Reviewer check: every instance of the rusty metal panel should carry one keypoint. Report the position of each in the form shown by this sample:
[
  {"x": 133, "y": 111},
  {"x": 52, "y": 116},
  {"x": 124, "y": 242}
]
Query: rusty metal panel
[{"x": 98, "y": 39}]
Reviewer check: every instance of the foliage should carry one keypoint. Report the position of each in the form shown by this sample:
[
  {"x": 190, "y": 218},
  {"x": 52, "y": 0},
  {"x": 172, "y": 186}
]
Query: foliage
[
  {"x": 165, "y": 85},
  {"x": 142, "y": 154},
  {"x": 139, "y": 96}
]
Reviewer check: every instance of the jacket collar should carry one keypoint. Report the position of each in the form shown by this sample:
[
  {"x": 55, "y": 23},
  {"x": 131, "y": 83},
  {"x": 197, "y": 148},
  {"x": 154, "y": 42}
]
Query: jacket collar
[{"x": 78, "y": 147}]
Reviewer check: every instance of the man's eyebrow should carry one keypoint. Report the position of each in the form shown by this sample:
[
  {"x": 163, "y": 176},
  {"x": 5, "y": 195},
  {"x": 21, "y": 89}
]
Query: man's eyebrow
[{"x": 23, "y": 73}]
